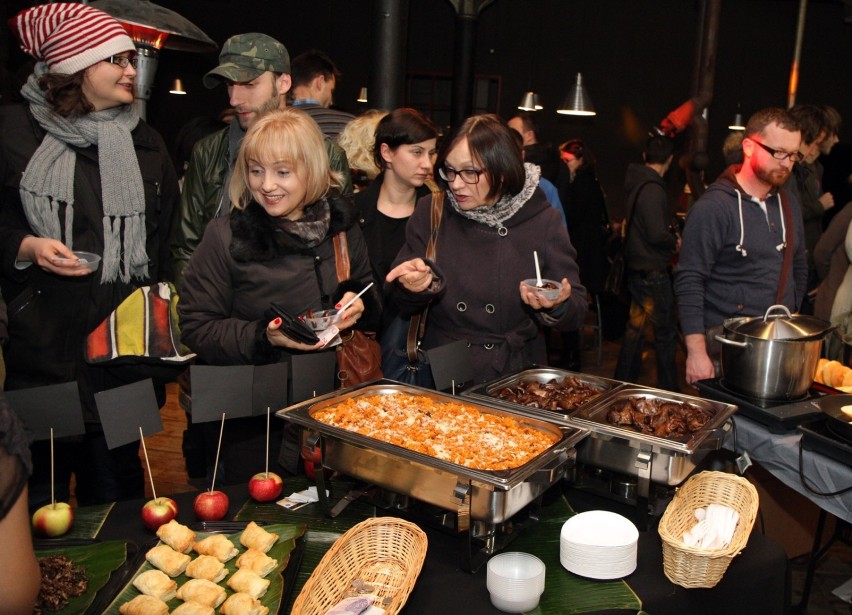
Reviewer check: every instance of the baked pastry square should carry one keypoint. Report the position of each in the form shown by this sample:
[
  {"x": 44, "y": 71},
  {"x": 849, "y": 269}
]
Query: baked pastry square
[
  {"x": 255, "y": 537},
  {"x": 242, "y": 603},
  {"x": 157, "y": 584},
  {"x": 144, "y": 605},
  {"x": 177, "y": 536},
  {"x": 244, "y": 580},
  {"x": 216, "y": 545},
  {"x": 257, "y": 561},
  {"x": 193, "y": 608},
  {"x": 206, "y": 567},
  {"x": 203, "y": 592},
  {"x": 168, "y": 560}
]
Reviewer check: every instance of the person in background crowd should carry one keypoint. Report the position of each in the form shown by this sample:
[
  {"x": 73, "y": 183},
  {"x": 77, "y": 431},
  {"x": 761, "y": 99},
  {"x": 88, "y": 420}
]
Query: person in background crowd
[
  {"x": 551, "y": 193},
  {"x": 276, "y": 246},
  {"x": 357, "y": 141},
  {"x": 588, "y": 227},
  {"x": 314, "y": 80},
  {"x": 648, "y": 250},
  {"x": 833, "y": 261},
  {"x": 494, "y": 219},
  {"x": 190, "y": 133},
  {"x": 734, "y": 242},
  {"x": 806, "y": 183},
  {"x": 732, "y": 148},
  {"x": 404, "y": 149},
  {"x": 837, "y": 174},
  {"x": 19, "y": 588},
  {"x": 256, "y": 70},
  {"x": 81, "y": 171},
  {"x": 545, "y": 156}
]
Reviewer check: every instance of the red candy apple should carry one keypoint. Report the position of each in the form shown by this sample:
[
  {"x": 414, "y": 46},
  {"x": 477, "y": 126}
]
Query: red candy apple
[
  {"x": 211, "y": 505},
  {"x": 158, "y": 511},
  {"x": 265, "y": 486},
  {"x": 53, "y": 520}
]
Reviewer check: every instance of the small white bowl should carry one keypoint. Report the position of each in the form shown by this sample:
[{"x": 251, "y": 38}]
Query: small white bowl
[
  {"x": 85, "y": 260},
  {"x": 321, "y": 320},
  {"x": 549, "y": 291},
  {"x": 515, "y": 581}
]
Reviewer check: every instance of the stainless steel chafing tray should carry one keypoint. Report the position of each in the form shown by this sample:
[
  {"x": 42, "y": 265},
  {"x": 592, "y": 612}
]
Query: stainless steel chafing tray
[
  {"x": 628, "y": 451},
  {"x": 490, "y": 390},
  {"x": 488, "y": 496}
]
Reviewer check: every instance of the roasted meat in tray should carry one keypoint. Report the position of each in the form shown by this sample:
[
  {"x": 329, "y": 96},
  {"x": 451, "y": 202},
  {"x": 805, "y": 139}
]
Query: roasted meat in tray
[{"x": 657, "y": 416}]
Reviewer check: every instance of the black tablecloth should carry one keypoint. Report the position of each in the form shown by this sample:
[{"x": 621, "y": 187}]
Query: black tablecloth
[{"x": 756, "y": 582}]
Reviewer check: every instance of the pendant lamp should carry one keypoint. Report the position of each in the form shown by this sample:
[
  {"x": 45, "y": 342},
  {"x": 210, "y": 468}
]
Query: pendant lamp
[
  {"x": 530, "y": 102},
  {"x": 577, "y": 102}
]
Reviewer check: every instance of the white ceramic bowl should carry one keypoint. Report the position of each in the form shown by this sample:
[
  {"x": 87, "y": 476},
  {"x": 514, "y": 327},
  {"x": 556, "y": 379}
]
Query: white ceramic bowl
[
  {"x": 515, "y": 580},
  {"x": 550, "y": 291}
]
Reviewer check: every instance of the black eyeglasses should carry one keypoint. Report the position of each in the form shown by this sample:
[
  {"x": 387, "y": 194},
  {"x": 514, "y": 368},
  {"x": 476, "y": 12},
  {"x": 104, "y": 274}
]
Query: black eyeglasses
[
  {"x": 778, "y": 154},
  {"x": 123, "y": 61},
  {"x": 469, "y": 176}
]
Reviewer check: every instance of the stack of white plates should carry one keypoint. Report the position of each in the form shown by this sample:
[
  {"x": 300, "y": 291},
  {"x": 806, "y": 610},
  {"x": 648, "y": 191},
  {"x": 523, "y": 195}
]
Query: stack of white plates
[{"x": 599, "y": 545}]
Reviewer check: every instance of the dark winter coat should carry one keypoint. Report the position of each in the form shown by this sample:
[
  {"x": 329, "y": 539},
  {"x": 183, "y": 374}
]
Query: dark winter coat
[
  {"x": 650, "y": 245},
  {"x": 479, "y": 298},
  {"x": 244, "y": 263},
  {"x": 585, "y": 213},
  {"x": 50, "y": 315}
]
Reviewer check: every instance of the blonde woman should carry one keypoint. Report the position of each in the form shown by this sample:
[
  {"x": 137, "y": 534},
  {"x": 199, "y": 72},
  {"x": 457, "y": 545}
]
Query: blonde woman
[
  {"x": 357, "y": 141},
  {"x": 276, "y": 246}
]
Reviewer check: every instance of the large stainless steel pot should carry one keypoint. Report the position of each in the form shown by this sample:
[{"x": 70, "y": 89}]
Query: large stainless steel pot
[{"x": 772, "y": 357}]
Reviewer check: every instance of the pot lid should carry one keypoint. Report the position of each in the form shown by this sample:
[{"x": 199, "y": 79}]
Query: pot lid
[{"x": 781, "y": 326}]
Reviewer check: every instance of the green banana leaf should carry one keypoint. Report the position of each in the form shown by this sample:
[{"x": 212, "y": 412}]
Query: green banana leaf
[
  {"x": 99, "y": 559},
  {"x": 88, "y": 521},
  {"x": 288, "y": 536},
  {"x": 564, "y": 591}
]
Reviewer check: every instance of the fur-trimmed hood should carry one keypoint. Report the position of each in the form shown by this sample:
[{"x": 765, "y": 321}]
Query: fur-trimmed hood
[{"x": 256, "y": 236}]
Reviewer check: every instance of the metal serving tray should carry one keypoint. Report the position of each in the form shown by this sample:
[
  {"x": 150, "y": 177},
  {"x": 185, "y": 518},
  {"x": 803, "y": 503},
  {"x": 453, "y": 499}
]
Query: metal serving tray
[
  {"x": 489, "y": 390},
  {"x": 661, "y": 460},
  {"x": 491, "y": 496}
]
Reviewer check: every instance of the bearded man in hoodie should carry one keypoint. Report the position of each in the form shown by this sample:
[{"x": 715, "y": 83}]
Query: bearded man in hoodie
[{"x": 732, "y": 262}]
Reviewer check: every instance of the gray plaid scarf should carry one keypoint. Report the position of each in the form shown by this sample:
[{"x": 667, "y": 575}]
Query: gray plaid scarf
[
  {"x": 48, "y": 181},
  {"x": 508, "y": 205}
]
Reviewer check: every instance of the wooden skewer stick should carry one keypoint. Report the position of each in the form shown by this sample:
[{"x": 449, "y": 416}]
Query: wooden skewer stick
[
  {"x": 147, "y": 465},
  {"x": 218, "y": 448},
  {"x": 266, "y": 475},
  {"x": 52, "y": 492}
]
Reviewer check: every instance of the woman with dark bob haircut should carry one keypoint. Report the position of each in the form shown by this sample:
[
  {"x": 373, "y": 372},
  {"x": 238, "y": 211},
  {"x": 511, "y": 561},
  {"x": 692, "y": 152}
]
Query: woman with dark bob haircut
[{"x": 494, "y": 218}]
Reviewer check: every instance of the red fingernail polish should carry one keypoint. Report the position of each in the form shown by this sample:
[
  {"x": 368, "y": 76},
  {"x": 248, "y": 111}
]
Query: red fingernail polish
[
  {"x": 276, "y": 322},
  {"x": 337, "y": 307}
]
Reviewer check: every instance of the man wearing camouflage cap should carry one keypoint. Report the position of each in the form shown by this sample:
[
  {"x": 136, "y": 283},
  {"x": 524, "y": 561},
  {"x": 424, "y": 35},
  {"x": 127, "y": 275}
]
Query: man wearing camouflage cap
[{"x": 256, "y": 70}]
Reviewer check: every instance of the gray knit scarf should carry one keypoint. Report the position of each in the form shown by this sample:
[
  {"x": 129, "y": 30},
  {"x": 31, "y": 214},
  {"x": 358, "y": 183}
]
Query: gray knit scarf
[
  {"x": 48, "y": 181},
  {"x": 508, "y": 205}
]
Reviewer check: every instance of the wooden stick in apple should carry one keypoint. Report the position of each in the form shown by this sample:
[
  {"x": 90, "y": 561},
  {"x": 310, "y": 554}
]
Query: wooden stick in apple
[
  {"x": 158, "y": 511},
  {"x": 265, "y": 486},
  {"x": 213, "y": 505},
  {"x": 56, "y": 518}
]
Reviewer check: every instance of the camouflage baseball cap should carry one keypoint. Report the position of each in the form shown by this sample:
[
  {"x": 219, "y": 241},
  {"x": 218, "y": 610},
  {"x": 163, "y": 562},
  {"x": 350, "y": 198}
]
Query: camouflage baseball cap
[{"x": 247, "y": 56}]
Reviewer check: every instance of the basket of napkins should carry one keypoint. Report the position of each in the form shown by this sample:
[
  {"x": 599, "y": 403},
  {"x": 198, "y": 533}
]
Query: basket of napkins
[
  {"x": 370, "y": 570},
  {"x": 705, "y": 526}
]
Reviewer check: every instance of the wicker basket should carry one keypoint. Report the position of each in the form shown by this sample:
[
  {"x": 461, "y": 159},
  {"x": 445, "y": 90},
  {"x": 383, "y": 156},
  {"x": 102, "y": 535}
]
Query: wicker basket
[
  {"x": 690, "y": 567},
  {"x": 384, "y": 552}
]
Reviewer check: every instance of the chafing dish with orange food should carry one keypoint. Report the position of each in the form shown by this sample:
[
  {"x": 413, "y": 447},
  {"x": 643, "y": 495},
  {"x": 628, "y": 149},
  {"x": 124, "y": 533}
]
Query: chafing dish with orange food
[{"x": 490, "y": 465}]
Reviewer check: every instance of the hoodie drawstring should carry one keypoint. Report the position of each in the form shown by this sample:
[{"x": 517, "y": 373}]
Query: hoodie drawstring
[{"x": 780, "y": 246}]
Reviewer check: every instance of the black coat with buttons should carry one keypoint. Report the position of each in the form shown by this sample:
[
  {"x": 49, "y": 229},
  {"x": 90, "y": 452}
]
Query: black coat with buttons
[{"x": 478, "y": 298}]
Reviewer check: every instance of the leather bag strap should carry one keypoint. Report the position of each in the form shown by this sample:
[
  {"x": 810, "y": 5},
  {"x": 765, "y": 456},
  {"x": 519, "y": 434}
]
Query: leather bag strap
[
  {"x": 417, "y": 325},
  {"x": 341, "y": 256}
]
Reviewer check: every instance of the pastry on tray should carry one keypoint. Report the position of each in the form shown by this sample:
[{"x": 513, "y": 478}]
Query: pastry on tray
[
  {"x": 257, "y": 561},
  {"x": 156, "y": 584},
  {"x": 177, "y": 536},
  {"x": 206, "y": 567},
  {"x": 202, "y": 591},
  {"x": 193, "y": 608},
  {"x": 216, "y": 545},
  {"x": 244, "y": 580},
  {"x": 168, "y": 560},
  {"x": 144, "y": 605},
  {"x": 242, "y": 603},
  {"x": 255, "y": 537}
]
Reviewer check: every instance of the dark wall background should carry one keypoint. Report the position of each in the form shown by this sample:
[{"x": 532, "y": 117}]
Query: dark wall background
[{"x": 636, "y": 58}]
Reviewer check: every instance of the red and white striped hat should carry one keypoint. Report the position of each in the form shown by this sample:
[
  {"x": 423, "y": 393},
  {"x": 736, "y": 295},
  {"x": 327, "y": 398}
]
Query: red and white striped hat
[{"x": 69, "y": 37}]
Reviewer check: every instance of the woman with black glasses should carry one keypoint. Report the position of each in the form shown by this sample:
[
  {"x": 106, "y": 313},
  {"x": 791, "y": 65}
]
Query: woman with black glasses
[
  {"x": 81, "y": 172},
  {"x": 494, "y": 218}
]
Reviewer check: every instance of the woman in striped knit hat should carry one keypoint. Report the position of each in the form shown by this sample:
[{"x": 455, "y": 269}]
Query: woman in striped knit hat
[{"x": 80, "y": 171}]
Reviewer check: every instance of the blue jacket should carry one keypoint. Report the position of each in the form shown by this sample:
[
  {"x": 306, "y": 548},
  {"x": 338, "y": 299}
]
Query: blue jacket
[{"x": 731, "y": 258}]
